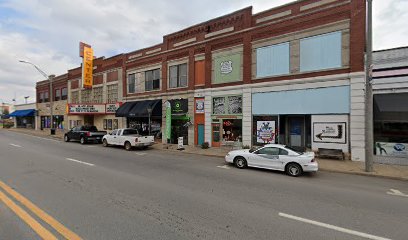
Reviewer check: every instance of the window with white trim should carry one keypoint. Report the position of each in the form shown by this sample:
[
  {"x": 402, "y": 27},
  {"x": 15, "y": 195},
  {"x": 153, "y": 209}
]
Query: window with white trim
[
  {"x": 320, "y": 52},
  {"x": 178, "y": 76},
  {"x": 152, "y": 80}
]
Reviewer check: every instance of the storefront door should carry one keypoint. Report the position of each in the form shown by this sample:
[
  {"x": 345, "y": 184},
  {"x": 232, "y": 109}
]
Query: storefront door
[
  {"x": 200, "y": 133},
  {"x": 89, "y": 120},
  {"x": 296, "y": 131},
  {"x": 216, "y": 135}
]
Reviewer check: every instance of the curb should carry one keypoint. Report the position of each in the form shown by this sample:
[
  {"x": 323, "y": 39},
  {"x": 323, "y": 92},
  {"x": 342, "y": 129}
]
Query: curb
[
  {"x": 364, "y": 174},
  {"x": 217, "y": 156}
]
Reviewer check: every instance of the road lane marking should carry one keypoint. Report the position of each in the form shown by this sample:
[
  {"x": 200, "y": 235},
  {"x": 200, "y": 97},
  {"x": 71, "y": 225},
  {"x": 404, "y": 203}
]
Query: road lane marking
[
  {"x": 49, "y": 139},
  {"x": 224, "y": 166},
  {"x": 74, "y": 160},
  {"x": 30, "y": 221},
  {"x": 141, "y": 154},
  {"x": 340, "y": 229},
  {"x": 15, "y": 145},
  {"x": 396, "y": 192},
  {"x": 68, "y": 234}
]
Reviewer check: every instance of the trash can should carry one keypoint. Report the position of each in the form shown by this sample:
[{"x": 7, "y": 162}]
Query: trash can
[{"x": 52, "y": 131}]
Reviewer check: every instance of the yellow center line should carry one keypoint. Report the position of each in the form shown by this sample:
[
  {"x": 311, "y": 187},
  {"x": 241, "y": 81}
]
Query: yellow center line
[
  {"x": 40, "y": 230},
  {"x": 68, "y": 234}
]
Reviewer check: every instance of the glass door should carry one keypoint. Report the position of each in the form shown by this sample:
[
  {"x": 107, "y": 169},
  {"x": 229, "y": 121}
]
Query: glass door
[{"x": 216, "y": 134}]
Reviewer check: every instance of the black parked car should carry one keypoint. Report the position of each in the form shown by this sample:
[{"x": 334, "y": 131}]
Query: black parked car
[{"x": 84, "y": 134}]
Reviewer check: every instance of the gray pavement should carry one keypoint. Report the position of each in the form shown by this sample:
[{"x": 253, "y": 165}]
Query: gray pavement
[{"x": 109, "y": 193}]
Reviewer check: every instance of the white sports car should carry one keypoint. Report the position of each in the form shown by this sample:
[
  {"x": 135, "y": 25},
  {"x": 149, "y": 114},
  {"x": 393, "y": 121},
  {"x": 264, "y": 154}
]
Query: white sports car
[{"x": 274, "y": 157}]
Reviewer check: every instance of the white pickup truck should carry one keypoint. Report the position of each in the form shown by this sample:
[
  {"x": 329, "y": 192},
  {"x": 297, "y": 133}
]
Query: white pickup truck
[{"x": 127, "y": 137}]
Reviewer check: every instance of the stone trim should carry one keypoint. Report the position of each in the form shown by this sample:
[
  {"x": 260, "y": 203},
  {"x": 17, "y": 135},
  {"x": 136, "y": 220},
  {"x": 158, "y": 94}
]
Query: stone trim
[
  {"x": 185, "y": 42},
  {"x": 225, "y": 30},
  {"x": 153, "y": 51},
  {"x": 273, "y": 16},
  {"x": 316, "y": 4}
]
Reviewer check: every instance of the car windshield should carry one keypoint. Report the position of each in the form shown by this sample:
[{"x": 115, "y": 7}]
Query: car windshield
[
  {"x": 130, "y": 132},
  {"x": 292, "y": 149},
  {"x": 90, "y": 128}
]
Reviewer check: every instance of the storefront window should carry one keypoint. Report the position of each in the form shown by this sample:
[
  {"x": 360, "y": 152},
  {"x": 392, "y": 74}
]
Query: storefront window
[
  {"x": 59, "y": 122},
  {"x": 45, "y": 122},
  {"x": 219, "y": 105},
  {"x": 391, "y": 124},
  {"x": 264, "y": 130},
  {"x": 235, "y": 104},
  {"x": 232, "y": 130},
  {"x": 227, "y": 105}
]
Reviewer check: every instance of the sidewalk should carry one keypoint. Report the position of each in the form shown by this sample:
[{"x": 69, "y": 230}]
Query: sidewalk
[{"x": 330, "y": 165}]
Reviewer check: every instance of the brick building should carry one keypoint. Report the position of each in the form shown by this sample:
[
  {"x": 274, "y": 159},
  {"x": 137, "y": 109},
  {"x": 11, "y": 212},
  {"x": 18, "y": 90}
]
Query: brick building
[
  {"x": 292, "y": 74},
  {"x": 59, "y": 102},
  {"x": 96, "y": 106}
]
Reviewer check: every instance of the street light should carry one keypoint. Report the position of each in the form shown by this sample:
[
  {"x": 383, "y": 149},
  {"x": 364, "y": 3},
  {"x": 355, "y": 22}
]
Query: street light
[
  {"x": 49, "y": 78},
  {"x": 149, "y": 111}
]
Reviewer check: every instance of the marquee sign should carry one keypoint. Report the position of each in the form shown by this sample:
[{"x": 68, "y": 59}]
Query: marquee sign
[{"x": 83, "y": 109}]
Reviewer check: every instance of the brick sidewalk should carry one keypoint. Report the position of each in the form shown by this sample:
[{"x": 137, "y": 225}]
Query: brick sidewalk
[{"x": 331, "y": 165}]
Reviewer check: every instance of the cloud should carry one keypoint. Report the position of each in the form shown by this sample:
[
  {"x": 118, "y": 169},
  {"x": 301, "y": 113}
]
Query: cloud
[{"x": 48, "y": 33}]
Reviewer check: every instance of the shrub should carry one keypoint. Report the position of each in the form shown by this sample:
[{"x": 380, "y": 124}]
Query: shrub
[{"x": 205, "y": 145}]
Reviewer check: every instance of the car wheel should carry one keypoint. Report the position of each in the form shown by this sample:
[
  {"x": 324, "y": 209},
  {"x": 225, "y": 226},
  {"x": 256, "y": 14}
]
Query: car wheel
[
  {"x": 66, "y": 138},
  {"x": 240, "y": 162},
  {"x": 82, "y": 140},
  {"x": 128, "y": 146},
  {"x": 105, "y": 143},
  {"x": 293, "y": 169}
]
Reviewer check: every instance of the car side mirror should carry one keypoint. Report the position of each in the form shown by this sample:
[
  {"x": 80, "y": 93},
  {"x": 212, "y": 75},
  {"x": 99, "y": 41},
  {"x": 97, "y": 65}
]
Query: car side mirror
[{"x": 251, "y": 150}]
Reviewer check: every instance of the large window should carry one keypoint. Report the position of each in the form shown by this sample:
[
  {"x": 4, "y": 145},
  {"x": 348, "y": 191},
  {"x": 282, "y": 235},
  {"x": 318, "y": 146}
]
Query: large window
[
  {"x": 75, "y": 97},
  {"x": 152, "y": 80},
  {"x": 272, "y": 60},
  {"x": 112, "y": 93},
  {"x": 98, "y": 95},
  {"x": 46, "y": 99},
  {"x": 320, "y": 52},
  {"x": 131, "y": 83},
  {"x": 57, "y": 94},
  {"x": 227, "y": 105},
  {"x": 86, "y": 96},
  {"x": 178, "y": 76},
  {"x": 64, "y": 93},
  {"x": 41, "y": 97},
  {"x": 134, "y": 81}
]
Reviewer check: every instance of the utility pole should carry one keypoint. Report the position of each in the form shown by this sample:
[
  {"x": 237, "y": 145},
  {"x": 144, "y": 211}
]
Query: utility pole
[
  {"x": 49, "y": 78},
  {"x": 369, "y": 138}
]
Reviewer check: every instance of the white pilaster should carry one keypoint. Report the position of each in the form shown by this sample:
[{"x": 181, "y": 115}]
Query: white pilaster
[{"x": 357, "y": 117}]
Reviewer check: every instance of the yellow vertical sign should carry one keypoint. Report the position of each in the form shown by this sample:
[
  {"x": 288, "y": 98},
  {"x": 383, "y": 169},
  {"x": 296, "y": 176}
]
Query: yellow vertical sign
[{"x": 87, "y": 68}]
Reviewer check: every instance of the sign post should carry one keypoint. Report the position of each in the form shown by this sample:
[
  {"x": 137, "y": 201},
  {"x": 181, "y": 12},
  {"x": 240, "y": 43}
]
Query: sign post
[{"x": 168, "y": 121}]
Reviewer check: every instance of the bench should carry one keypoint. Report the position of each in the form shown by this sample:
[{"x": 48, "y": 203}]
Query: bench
[{"x": 334, "y": 153}]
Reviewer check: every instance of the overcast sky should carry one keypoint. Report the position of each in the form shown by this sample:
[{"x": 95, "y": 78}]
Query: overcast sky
[{"x": 47, "y": 32}]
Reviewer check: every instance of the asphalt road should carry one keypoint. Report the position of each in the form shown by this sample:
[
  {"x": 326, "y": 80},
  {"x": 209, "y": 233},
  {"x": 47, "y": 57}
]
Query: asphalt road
[{"x": 109, "y": 193}]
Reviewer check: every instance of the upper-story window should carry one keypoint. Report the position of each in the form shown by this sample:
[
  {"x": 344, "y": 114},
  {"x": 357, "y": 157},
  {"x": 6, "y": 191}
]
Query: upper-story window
[
  {"x": 178, "y": 76},
  {"x": 98, "y": 95},
  {"x": 41, "y": 97},
  {"x": 320, "y": 52},
  {"x": 112, "y": 95},
  {"x": 152, "y": 80},
  {"x": 75, "y": 97},
  {"x": 133, "y": 82},
  {"x": 46, "y": 98},
  {"x": 86, "y": 96},
  {"x": 57, "y": 94},
  {"x": 272, "y": 60},
  {"x": 64, "y": 93}
]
